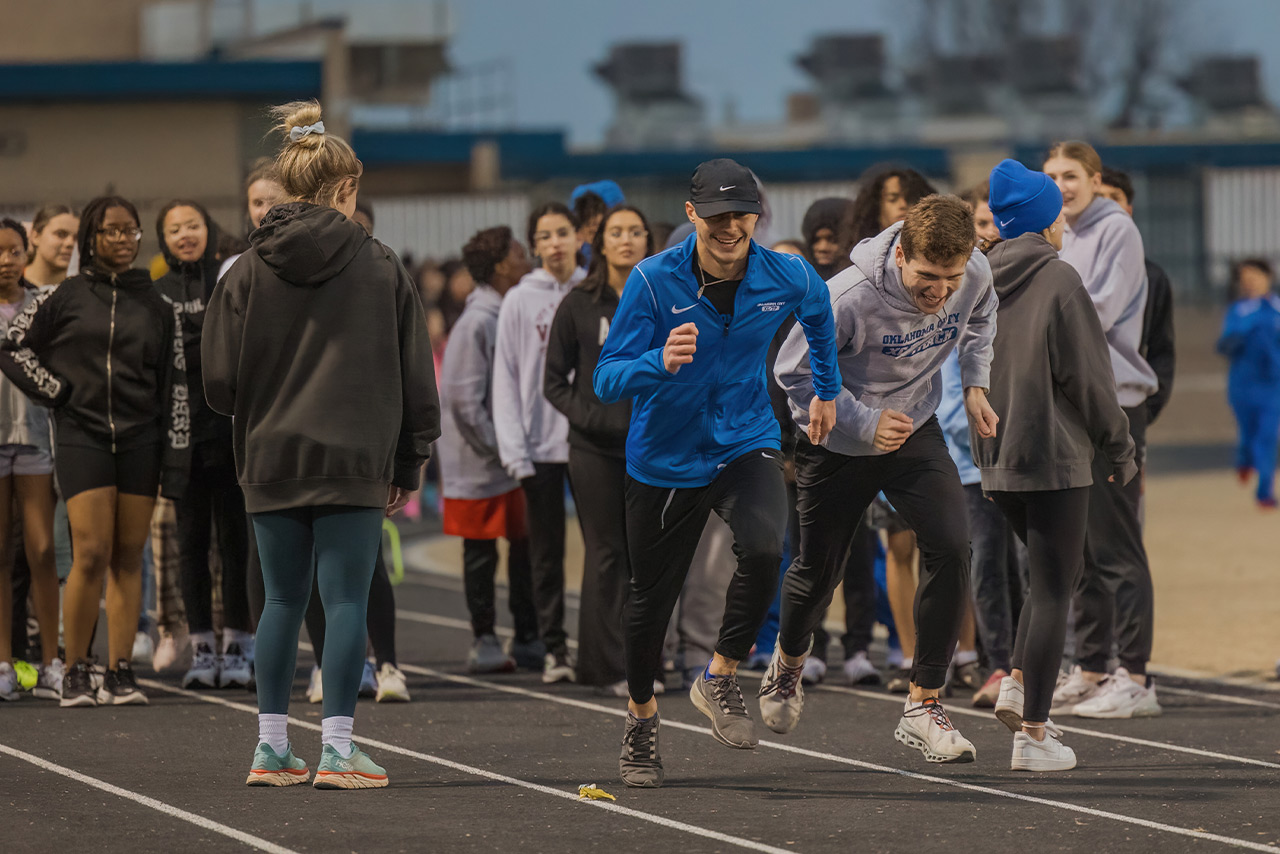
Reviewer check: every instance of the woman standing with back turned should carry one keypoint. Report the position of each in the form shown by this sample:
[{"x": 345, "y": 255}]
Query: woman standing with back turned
[{"x": 315, "y": 343}]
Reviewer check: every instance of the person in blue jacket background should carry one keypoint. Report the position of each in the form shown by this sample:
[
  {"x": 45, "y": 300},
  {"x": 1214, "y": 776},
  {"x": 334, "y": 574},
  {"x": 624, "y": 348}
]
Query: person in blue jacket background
[
  {"x": 1251, "y": 340},
  {"x": 688, "y": 345}
]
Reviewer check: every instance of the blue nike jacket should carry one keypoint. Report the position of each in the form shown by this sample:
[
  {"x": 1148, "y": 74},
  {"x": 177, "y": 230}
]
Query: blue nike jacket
[{"x": 687, "y": 426}]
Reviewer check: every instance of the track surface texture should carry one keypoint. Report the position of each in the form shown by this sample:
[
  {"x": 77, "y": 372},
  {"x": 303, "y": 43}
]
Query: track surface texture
[{"x": 494, "y": 764}]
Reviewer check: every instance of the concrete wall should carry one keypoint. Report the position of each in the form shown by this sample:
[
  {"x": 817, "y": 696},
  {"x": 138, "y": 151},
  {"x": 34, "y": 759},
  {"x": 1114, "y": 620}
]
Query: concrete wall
[{"x": 70, "y": 30}]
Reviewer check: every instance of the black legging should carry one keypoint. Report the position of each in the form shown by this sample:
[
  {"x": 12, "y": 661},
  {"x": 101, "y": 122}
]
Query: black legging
[
  {"x": 213, "y": 502},
  {"x": 1052, "y": 525}
]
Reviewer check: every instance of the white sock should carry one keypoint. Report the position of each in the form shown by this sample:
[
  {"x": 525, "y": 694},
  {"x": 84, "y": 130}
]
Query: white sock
[
  {"x": 273, "y": 731},
  {"x": 206, "y": 638},
  {"x": 907, "y": 662},
  {"x": 964, "y": 657},
  {"x": 336, "y": 732},
  {"x": 230, "y": 636}
]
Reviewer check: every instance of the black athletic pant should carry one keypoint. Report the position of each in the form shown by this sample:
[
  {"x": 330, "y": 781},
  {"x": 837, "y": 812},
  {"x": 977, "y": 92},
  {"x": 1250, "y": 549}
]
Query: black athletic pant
[
  {"x": 213, "y": 501},
  {"x": 663, "y": 529},
  {"x": 380, "y": 616},
  {"x": 599, "y": 491},
  {"x": 479, "y": 566},
  {"x": 1052, "y": 525},
  {"x": 923, "y": 485},
  {"x": 1115, "y": 601},
  {"x": 544, "y": 502},
  {"x": 256, "y": 586},
  {"x": 859, "y": 576}
]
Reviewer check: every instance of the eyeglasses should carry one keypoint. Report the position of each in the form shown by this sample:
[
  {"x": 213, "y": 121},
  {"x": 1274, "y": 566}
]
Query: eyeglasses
[
  {"x": 17, "y": 252},
  {"x": 121, "y": 233}
]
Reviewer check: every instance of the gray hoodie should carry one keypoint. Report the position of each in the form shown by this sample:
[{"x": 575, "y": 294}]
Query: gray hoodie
[
  {"x": 530, "y": 430},
  {"x": 1051, "y": 381},
  {"x": 890, "y": 351},
  {"x": 1106, "y": 249},
  {"x": 22, "y": 421},
  {"x": 468, "y": 447}
]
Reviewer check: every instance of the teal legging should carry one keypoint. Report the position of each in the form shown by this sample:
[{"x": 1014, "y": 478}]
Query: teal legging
[{"x": 345, "y": 544}]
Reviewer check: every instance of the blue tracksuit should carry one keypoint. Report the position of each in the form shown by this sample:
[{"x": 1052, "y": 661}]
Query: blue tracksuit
[
  {"x": 687, "y": 426},
  {"x": 1251, "y": 339}
]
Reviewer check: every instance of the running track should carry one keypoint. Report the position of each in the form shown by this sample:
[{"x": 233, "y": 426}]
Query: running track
[{"x": 494, "y": 764}]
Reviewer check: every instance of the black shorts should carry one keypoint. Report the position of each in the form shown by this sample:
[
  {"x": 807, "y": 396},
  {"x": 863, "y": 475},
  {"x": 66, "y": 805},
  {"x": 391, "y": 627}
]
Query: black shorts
[{"x": 133, "y": 472}]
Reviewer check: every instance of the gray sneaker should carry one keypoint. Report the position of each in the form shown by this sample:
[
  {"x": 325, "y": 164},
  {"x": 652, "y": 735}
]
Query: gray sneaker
[
  {"x": 720, "y": 699},
  {"x": 487, "y": 656},
  {"x": 781, "y": 695},
  {"x": 639, "y": 764}
]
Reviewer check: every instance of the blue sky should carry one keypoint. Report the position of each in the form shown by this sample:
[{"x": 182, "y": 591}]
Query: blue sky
[{"x": 740, "y": 52}]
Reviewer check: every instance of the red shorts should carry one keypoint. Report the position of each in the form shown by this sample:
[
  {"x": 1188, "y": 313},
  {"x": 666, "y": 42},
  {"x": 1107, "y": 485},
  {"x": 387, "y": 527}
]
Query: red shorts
[{"x": 486, "y": 518}]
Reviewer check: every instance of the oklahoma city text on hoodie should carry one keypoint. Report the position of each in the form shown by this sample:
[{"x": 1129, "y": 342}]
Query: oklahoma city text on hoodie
[
  {"x": 530, "y": 429},
  {"x": 687, "y": 426},
  {"x": 1106, "y": 249},
  {"x": 890, "y": 350}
]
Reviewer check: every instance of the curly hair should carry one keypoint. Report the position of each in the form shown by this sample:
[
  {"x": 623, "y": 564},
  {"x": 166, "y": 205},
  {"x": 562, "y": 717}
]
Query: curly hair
[
  {"x": 485, "y": 251},
  {"x": 863, "y": 219}
]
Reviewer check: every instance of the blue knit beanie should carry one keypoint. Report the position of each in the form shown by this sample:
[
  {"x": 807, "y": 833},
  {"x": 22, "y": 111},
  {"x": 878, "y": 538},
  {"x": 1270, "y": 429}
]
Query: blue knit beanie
[
  {"x": 608, "y": 191},
  {"x": 1021, "y": 200}
]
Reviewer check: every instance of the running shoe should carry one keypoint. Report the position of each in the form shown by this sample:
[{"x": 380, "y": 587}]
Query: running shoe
[
  {"x": 782, "y": 694},
  {"x": 1072, "y": 691},
  {"x": 233, "y": 668},
  {"x": 639, "y": 763},
  {"x": 167, "y": 651},
  {"x": 1009, "y": 705},
  {"x": 814, "y": 670},
  {"x": 144, "y": 649},
  {"x": 77, "y": 687},
  {"x": 926, "y": 727},
  {"x": 391, "y": 685},
  {"x": 985, "y": 697},
  {"x": 622, "y": 690},
  {"x": 356, "y": 771},
  {"x": 8, "y": 681},
  {"x": 204, "y": 668},
  {"x": 368, "y": 680},
  {"x": 858, "y": 670},
  {"x": 529, "y": 655},
  {"x": 487, "y": 656},
  {"x": 720, "y": 699},
  {"x": 271, "y": 769},
  {"x": 315, "y": 688},
  {"x": 557, "y": 668},
  {"x": 49, "y": 681},
  {"x": 1047, "y": 755},
  {"x": 119, "y": 687},
  {"x": 900, "y": 683},
  {"x": 968, "y": 676},
  {"x": 1121, "y": 697}
]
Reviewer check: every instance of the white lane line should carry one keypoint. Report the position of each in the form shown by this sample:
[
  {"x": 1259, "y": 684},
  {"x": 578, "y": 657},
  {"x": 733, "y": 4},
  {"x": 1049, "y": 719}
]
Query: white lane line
[
  {"x": 858, "y": 763},
  {"x": 748, "y": 844},
  {"x": 451, "y": 623},
  {"x": 158, "y": 806},
  {"x": 1221, "y": 698}
]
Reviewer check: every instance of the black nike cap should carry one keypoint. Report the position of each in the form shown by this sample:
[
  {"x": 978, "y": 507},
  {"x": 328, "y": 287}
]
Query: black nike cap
[{"x": 723, "y": 186}]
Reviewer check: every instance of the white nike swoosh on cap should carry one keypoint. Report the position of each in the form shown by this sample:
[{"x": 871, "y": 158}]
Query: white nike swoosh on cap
[
  {"x": 730, "y": 187},
  {"x": 1004, "y": 224},
  {"x": 675, "y": 310}
]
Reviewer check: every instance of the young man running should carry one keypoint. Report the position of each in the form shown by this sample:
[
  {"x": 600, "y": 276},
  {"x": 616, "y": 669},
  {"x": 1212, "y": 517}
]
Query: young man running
[
  {"x": 688, "y": 345},
  {"x": 914, "y": 293}
]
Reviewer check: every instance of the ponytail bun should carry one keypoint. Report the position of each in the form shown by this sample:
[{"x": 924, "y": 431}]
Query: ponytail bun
[{"x": 313, "y": 165}]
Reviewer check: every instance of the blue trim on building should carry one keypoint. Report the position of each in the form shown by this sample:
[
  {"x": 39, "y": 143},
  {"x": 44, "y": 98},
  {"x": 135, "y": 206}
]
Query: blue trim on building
[
  {"x": 151, "y": 81},
  {"x": 1175, "y": 156}
]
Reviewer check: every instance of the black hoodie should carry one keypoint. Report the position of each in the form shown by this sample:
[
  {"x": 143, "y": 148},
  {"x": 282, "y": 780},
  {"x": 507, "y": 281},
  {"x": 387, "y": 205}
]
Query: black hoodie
[
  {"x": 102, "y": 349},
  {"x": 316, "y": 342},
  {"x": 1051, "y": 379},
  {"x": 188, "y": 287},
  {"x": 825, "y": 213}
]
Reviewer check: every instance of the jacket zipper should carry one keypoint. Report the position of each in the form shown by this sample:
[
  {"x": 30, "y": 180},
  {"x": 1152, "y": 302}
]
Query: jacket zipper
[{"x": 111, "y": 337}]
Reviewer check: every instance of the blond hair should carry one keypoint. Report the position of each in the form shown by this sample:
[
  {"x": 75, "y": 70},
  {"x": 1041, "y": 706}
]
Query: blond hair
[
  {"x": 315, "y": 166},
  {"x": 939, "y": 229},
  {"x": 1081, "y": 152}
]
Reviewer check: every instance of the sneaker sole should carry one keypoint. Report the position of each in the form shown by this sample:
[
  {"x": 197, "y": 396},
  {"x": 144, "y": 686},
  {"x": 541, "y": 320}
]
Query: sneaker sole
[
  {"x": 135, "y": 698},
  {"x": 83, "y": 701},
  {"x": 391, "y": 697},
  {"x": 644, "y": 784},
  {"x": 1116, "y": 716},
  {"x": 277, "y": 778},
  {"x": 233, "y": 683},
  {"x": 554, "y": 677},
  {"x": 700, "y": 703},
  {"x": 341, "y": 780},
  {"x": 1011, "y": 718},
  {"x": 1041, "y": 765},
  {"x": 46, "y": 694},
  {"x": 910, "y": 740}
]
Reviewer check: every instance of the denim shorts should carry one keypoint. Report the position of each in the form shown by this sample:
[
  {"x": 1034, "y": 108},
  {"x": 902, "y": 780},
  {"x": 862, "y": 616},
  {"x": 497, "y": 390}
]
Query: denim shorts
[{"x": 24, "y": 461}]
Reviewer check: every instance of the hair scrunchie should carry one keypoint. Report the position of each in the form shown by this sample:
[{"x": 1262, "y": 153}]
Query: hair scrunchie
[{"x": 296, "y": 133}]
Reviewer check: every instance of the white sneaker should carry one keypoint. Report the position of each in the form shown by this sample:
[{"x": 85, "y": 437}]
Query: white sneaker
[
  {"x": 49, "y": 682},
  {"x": 859, "y": 670},
  {"x": 782, "y": 694},
  {"x": 1072, "y": 691},
  {"x": 8, "y": 681},
  {"x": 1122, "y": 698},
  {"x": 815, "y": 670},
  {"x": 557, "y": 668},
  {"x": 1047, "y": 755},
  {"x": 144, "y": 649},
  {"x": 487, "y": 656},
  {"x": 204, "y": 668},
  {"x": 1009, "y": 707},
  {"x": 622, "y": 690},
  {"x": 926, "y": 727},
  {"x": 391, "y": 685},
  {"x": 315, "y": 688},
  {"x": 233, "y": 670}
]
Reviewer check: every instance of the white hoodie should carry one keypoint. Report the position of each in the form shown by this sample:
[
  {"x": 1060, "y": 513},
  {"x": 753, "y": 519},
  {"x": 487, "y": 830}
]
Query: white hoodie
[{"x": 530, "y": 430}]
